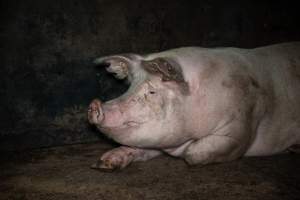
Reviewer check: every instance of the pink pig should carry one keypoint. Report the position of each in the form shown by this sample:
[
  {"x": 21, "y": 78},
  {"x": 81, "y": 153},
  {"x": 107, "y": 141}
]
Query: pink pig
[{"x": 202, "y": 105}]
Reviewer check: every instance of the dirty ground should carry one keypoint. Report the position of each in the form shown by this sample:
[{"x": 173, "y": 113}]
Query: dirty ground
[{"x": 64, "y": 173}]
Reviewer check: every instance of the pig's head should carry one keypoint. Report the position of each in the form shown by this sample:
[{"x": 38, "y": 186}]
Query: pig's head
[{"x": 150, "y": 113}]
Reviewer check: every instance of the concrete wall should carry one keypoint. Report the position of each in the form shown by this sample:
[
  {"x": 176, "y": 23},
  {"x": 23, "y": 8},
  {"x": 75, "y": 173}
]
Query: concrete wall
[{"x": 47, "y": 78}]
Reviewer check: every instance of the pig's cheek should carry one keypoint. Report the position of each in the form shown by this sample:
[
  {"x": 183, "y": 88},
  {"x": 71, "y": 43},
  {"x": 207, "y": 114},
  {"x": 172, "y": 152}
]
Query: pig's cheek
[
  {"x": 157, "y": 105},
  {"x": 153, "y": 101},
  {"x": 152, "y": 111},
  {"x": 157, "y": 109}
]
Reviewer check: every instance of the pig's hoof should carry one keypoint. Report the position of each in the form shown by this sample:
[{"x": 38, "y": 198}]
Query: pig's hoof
[
  {"x": 104, "y": 166},
  {"x": 117, "y": 158}
]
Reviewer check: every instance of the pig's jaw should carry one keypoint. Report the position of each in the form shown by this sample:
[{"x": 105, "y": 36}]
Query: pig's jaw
[
  {"x": 139, "y": 132},
  {"x": 123, "y": 132},
  {"x": 126, "y": 125},
  {"x": 128, "y": 129},
  {"x": 115, "y": 116}
]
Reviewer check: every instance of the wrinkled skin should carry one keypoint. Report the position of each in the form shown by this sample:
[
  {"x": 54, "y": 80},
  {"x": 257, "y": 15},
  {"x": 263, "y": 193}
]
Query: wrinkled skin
[{"x": 202, "y": 105}]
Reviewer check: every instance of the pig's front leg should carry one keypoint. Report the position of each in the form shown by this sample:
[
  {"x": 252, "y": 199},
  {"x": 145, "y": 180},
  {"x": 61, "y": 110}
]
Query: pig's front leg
[
  {"x": 226, "y": 144},
  {"x": 212, "y": 149},
  {"x": 120, "y": 157}
]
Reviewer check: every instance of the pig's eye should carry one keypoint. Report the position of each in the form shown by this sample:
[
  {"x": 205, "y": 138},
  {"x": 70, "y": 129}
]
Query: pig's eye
[{"x": 152, "y": 92}]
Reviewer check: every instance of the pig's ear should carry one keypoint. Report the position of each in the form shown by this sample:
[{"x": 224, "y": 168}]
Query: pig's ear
[
  {"x": 119, "y": 65},
  {"x": 169, "y": 71}
]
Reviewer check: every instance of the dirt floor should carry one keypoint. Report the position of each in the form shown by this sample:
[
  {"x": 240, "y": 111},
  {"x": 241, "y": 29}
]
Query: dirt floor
[{"x": 64, "y": 173}]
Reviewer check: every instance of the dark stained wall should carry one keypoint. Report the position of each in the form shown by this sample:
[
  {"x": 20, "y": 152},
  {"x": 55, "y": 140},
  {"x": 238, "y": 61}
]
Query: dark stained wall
[{"x": 47, "y": 78}]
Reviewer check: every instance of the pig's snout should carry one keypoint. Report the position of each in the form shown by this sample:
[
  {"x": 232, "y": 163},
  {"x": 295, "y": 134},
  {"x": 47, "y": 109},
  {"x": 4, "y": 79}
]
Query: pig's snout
[{"x": 95, "y": 112}]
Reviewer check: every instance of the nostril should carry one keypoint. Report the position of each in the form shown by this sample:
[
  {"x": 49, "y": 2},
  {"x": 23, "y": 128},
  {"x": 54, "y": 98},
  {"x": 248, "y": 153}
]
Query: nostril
[{"x": 95, "y": 113}]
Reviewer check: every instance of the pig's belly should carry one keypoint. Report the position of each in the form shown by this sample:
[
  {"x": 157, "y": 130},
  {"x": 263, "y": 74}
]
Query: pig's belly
[
  {"x": 274, "y": 136},
  {"x": 279, "y": 129}
]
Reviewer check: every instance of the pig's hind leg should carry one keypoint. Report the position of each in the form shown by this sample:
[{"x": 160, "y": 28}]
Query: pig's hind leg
[{"x": 120, "y": 157}]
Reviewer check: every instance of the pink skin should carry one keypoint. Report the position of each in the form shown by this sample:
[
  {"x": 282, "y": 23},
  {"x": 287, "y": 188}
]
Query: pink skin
[
  {"x": 120, "y": 157},
  {"x": 110, "y": 117},
  {"x": 123, "y": 118},
  {"x": 229, "y": 107}
]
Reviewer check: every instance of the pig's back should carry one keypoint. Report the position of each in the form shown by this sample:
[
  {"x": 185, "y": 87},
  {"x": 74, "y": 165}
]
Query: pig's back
[{"x": 276, "y": 69}]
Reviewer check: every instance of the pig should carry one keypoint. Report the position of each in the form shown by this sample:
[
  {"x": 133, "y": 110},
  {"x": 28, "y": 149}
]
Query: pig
[{"x": 204, "y": 105}]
